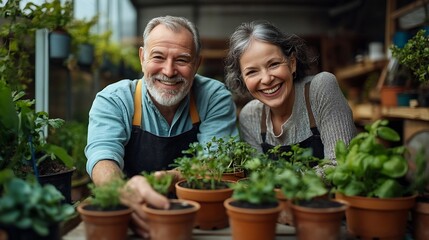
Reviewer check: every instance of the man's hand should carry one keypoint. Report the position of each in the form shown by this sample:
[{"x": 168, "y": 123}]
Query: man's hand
[{"x": 136, "y": 192}]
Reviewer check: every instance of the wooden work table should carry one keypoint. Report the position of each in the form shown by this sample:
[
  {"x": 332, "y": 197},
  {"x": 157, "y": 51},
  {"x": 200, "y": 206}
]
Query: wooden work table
[{"x": 284, "y": 232}]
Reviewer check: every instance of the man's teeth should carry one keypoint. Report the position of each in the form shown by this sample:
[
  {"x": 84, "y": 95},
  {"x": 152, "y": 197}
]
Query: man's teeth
[
  {"x": 168, "y": 82},
  {"x": 269, "y": 91}
]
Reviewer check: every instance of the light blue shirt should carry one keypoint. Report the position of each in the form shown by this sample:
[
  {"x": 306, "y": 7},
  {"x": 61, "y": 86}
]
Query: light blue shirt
[{"x": 110, "y": 117}]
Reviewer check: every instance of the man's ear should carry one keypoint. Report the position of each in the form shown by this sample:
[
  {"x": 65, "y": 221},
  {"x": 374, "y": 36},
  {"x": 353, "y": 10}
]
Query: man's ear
[
  {"x": 141, "y": 56},
  {"x": 198, "y": 63}
]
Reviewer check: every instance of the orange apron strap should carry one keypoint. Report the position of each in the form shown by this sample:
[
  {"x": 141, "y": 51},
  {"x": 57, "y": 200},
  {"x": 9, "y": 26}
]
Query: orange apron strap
[
  {"x": 194, "y": 112},
  {"x": 137, "y": 117}
]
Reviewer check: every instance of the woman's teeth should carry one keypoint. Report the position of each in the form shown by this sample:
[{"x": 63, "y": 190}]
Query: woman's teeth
[{"x": 272, "y": 90}]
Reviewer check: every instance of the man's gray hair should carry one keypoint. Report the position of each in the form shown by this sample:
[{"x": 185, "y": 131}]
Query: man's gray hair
[{"x": 175, "y": 24}]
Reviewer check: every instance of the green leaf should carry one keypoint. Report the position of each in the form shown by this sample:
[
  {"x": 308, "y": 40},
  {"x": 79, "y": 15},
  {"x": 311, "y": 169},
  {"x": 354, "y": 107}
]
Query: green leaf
[
  {"x": 389, "y": 134},
  {"x": 61, "y": 153},
  {"x": 388, "y": 188},
  {"x": 395, "y": 167}
]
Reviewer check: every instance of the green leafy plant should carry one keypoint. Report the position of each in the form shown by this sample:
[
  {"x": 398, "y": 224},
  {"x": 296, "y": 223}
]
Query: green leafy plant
[
  {"x": 298, "y": 158},
  {"x": 296, "y": 175},
  {"x": 161, "y": 183},
  {"x": 258, "y": 187},
  {"x": 415, "y": 55},
  {"x": 367, "y": 167},
  {"x": 28, "y": 205},
  {"x": 107, "y": 195},
  {"x": 54, "y": 14},
  {"x": 200, "y": 169},
  {"x": 419, "y": 175},
  {"x": 23, "y": 134},
  {"x": 236, "y": 150},
  {"x": 72, "y": 137}
]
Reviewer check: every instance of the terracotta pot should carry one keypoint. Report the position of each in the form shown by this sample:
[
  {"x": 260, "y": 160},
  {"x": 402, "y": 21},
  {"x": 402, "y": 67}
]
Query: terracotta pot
[
  {"x": 172, "y": 224},
  {"x": 285, "y": 216},
  {"x": 212, "y": 214},
  {"x": 319, "y": 223},
  {"x": 106, "y": 225},
  {"x": 379, "y": 218},
  {"x": 420, "y": 217},
  {"x": 252, "y": 224},
  {"x": 234, "y": 176},
  {"x": 388, "y": 95},
  {"x": 80, "y": 189}
]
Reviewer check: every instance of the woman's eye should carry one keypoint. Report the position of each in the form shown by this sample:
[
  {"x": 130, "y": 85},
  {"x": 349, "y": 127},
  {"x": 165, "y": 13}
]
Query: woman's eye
[
  {"x": 250, "y": 73},
  {"x": 275, "y": 64}
]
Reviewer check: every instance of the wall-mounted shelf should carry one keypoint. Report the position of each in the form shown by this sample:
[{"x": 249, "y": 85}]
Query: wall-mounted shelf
[
  {"x": 406, "y": 113},
  {"x": 359, "y": 69}
]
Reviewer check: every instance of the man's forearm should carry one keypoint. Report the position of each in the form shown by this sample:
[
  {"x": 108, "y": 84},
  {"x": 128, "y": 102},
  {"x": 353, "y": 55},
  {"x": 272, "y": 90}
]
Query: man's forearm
[{"x": 104, "y": 171}]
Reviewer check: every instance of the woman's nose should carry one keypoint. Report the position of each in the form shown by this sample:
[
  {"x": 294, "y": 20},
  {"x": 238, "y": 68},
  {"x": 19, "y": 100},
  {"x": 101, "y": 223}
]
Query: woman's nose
[{"x": 266, "y": 77}]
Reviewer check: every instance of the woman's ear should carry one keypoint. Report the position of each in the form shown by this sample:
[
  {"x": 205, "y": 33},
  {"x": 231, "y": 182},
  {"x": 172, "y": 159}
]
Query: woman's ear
[{"x": 292, "y": 63}]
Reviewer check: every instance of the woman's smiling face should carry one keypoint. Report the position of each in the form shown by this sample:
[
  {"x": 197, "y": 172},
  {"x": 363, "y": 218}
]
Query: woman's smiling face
[{"x": 267, "y": 73}]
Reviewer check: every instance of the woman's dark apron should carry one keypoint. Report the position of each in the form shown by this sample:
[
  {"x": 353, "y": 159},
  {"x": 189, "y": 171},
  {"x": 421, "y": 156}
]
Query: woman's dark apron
[
  {"x": 314, "y": 141},
  {"x": 148, "y": 152}
]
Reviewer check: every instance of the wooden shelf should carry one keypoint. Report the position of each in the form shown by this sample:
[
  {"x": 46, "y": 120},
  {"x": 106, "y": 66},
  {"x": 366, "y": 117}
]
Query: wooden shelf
[
  {"x": 359, "y": 69},
  {"x": 406, "y": 113},
  {"x": 406, "y": 9}
]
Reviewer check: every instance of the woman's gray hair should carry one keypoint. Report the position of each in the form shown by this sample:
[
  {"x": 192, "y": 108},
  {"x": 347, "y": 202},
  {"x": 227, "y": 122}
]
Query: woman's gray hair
[
  {"x": 266, "y": 32},
  {"x": 175, "y": 24}
]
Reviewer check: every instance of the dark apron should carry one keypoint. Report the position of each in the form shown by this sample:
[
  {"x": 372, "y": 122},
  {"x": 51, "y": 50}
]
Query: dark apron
[
  {"x": 314, "y": 142},
  {"x": 148, "y": 152}
]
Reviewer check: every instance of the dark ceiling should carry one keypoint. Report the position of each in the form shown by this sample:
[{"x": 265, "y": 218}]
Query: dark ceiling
[{"x": 303, "y": 3}]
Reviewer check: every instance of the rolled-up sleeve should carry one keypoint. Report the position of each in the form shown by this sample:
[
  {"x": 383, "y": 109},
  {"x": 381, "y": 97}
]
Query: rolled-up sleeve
[{"x": 109, "y": 127}]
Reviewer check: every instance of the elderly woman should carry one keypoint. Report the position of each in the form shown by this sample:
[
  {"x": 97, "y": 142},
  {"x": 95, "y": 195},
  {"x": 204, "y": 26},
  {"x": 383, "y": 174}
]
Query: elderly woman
[{"x": 290, "y": 106}]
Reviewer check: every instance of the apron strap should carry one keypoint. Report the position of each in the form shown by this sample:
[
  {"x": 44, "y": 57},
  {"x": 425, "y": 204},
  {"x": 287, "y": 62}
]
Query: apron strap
[
  {"x": 138, "y": 110},
  {"x": 307, "y": 102},
  {"x": 137, "y": 117},
  {"x": 194, "y": 111}
]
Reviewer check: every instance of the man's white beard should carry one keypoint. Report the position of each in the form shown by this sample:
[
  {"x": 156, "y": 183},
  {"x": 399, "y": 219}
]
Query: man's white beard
[{"x": 164, "y": 97}]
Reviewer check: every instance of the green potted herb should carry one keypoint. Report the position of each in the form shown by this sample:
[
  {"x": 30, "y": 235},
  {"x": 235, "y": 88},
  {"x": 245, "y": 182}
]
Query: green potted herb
[
  {"x": 178, "y": 220},
  {"x": 83, "y": 40},
  {"x": 253, "y": 208},
  {"x": 237, "y": 151},
  {"x": 29, "y": 210},
  {"x": 25, "y": 148},
  {"x": 202, "y": 182},
  {"x": 103, "y": 214},
  {"x": 415, "y": 56},
  {"x": 54, "y": 15},
  {"x": 369, "y": 171},
  {"x": 72, "y": 137},
  {"x": 315, "y": 215}
]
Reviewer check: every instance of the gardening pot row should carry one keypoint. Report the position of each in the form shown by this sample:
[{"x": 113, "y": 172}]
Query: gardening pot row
[
  {"x": 310, "y": 222},
  {"x": 213, "y": 209}
]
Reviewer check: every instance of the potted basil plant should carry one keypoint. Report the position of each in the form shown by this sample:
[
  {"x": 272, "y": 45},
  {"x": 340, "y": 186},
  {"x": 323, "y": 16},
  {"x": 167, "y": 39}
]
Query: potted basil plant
[{"x": 370, "y": 176}]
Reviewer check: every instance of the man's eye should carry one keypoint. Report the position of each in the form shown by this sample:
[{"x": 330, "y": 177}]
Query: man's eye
[
  {"x": 181, "y": 61},
  {"x": 157, "y": 57}
]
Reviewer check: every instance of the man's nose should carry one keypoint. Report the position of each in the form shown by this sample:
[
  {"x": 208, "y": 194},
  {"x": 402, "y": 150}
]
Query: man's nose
[{"x": 169, "y": 69}]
